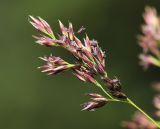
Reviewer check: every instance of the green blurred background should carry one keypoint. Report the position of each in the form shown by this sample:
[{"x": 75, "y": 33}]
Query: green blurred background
[{"x": 31, "y": 100}]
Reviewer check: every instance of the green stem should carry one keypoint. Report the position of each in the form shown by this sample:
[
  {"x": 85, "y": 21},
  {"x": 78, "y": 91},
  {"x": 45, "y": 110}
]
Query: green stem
[{"x": 139, "y": 109}]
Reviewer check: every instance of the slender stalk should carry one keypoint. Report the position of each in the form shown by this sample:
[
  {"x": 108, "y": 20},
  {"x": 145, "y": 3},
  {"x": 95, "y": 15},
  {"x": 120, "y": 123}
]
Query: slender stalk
[{"x": 139, "y": 109}]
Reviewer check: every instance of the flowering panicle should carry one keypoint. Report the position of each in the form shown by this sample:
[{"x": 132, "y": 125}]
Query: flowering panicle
[
  {"x": 90, "y": 62},
  {"x": 150, "y": 40},
  {"x": 97, "y": 101},
  {"x": 90, "y": 59}
]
